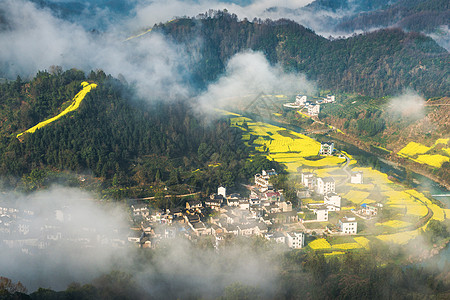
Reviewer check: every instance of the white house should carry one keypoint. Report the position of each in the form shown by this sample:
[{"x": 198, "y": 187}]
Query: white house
[
  {"x": 262, "y": 180},
  {"x": 356, "y": 177},
  {"x": 326, "y": 148},
  {"x": 322, "y": 214},
  {"x": 326, "y": 185},
  {"x": 277, "y": 237},
  {"x": 299, "y": 101},
  {"x": 329, "y": 99},
  {"x": 348, "y": 225},
  {"x": 313, "y": 109},
  {"x": 309, "y": 180},
  {"x": 368, "y": 210},
  {"x": 332, "y": 201},
  {"x": 222, "y": 191},
  {"x": 295, "y": 240}
]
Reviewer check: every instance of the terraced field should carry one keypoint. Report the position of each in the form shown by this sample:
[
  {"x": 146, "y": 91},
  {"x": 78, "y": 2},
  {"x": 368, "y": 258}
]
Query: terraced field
[{"x": 412, "y": 210}]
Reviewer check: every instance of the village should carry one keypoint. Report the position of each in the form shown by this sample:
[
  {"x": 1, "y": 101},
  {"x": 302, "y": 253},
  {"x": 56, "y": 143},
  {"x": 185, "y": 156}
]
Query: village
[
  {"x": 311, "y": 108},
  {"x": 264, "y": 213},
  {"x": 222, "y": 216}
]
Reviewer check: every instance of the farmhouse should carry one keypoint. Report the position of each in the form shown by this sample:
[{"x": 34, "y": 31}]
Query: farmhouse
[
  {"x": 326, "y": 148},
  {"x": 295, "y": 240},
  {"x": 326, "y": 185},
  {"x": 356, "y": 177},
  {"x": 348, "y": 225}
]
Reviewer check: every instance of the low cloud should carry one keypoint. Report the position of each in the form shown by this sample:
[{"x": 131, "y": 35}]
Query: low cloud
[
  {"x": 408, "y": 105},
  {"x": 247, "y": 75},
  {"x": 59, "y": 236},
  {"x": 64, "y": 235},
  {"x": 35, "y": 39}
]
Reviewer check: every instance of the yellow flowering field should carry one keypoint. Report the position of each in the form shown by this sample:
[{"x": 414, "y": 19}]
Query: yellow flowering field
[
  {"x": 413, "y": 148},
  {"x": 362, "y": 241},
  {"x": 375, "y": 176},
  {"x": 435, "y": 160},
  {"x": 394, "y": 224},
  {"x": 76, "y": 101},
  {"x": 319, "y": 244},
  {"x": 417, "y": 209},
  {"x": 441, "y": 141},
  {"x": 347, "y": 246},
  {"x": 438, "y": 213},
  {"x": 356, "y": 197}
]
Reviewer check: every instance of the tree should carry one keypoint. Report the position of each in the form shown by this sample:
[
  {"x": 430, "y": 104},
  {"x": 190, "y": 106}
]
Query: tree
[{"x": 7, "y": 286}]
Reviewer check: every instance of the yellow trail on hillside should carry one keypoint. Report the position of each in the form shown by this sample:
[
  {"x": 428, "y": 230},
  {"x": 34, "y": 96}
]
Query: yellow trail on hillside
[
  {"x": 73, "y": 106},
  {"x": 145, "y": 32}
]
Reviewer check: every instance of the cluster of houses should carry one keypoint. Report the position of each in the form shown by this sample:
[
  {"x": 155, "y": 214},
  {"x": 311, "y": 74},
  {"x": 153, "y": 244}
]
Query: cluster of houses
[
  {"x": 223, "y": 216},
  {"x": 326, "y": 187},
  {"x": 32, "y": 231},
  {"x": 313, "y": 108}
]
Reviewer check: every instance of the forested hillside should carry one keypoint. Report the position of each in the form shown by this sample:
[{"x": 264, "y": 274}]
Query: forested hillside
[
  {"x": 375, "y": 64},
  {"x": 414, "y": 15},
  {"x": 127, "y": 142}
]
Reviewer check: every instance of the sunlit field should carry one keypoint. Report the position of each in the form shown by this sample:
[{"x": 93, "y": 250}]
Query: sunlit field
[
  {"x": 364, "y": 242},
  {"x": 319, "y": 244},
  {"x": 417, "y": 152},
  {"x": 299, "y": 152},
  {"x": 394, "y": 224}
]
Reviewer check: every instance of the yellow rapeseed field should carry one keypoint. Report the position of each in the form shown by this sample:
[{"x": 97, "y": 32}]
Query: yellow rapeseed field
[
  {"x": 441, "y": 141},
  {"x": 413, "y": 148},
  {"x": 76, "y": 101},
  {"x": 356, "y": 197},
  {"x": 435, "y": 160},
  {"x": 319, "y": 244},
  {"x": 394, "y": 224},
  {"x": 362, "y": 241}
]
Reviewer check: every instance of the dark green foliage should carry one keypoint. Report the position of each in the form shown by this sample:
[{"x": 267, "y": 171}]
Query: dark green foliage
[
  {"x": 377, "y": 63},
  {"x": 127, "y": 142},
  {"x": 414, "y": 15}
]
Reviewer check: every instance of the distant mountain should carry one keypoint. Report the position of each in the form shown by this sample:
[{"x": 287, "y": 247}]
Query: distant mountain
[
  {"x": 351, "y": 5},
  {"x": 411, "y": 15},
  {"x": 377, "y": 63}
]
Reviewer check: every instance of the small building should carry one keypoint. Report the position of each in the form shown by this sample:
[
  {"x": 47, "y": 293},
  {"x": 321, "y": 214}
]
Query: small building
[
  {"x": 369, "y": 210},
  {"x": 348, "y": 225},
  {"x": 139, "y": 210},
  {"x": 295, "y": 240},
  {"x": 309, "y": 180},
  {"x": 356, "y": 177},
  {"x": 194, "y": 204},
  {"x": 326, "y": 185},
  {"x": 313, "y": 109},
  {"x": 244, "y": 204},
  {"x": 322, "y": 214},
  {"x": 329, "y": 99},
  {"x": 262, "y": 180},
  {"x": 332, "y": 201},
  {"x": 326, "y": 148},
  {"x": 278, "y": 237},
  {"x": 213, "y": 203},
  {"x": 222, "y": 191}
]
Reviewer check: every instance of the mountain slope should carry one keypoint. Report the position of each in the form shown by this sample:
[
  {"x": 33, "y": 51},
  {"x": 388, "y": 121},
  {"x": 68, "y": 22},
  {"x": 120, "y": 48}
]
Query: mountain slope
[
  {"x": 411, "y": 15},
  {"x": 376, "y": 63}
]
